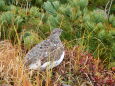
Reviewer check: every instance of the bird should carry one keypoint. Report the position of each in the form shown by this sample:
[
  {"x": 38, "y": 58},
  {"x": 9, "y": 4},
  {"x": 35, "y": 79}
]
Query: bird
[{"x": 47, "y": 54}]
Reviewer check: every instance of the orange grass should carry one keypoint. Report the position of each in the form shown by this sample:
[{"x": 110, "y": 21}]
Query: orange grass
[{"x": 12, "y": 71}]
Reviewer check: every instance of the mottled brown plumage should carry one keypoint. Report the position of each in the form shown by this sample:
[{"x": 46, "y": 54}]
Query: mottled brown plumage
[{"x": 48, "y": 50}]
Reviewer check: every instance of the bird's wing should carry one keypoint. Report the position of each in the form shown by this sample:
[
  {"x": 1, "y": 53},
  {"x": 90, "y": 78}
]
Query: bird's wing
[{"x": 37, "y": 50}]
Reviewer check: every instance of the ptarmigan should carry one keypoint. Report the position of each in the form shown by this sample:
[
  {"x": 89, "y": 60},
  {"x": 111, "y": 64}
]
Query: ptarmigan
[{"x": 47, "y": 54}]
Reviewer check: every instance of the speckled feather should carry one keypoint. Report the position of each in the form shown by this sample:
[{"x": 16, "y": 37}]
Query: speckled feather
[{"x": 48, "y": 50}]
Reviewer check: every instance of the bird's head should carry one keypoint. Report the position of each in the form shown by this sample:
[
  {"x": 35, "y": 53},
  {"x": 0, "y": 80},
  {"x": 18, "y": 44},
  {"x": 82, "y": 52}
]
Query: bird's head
[{"x": 56, "y": 32}]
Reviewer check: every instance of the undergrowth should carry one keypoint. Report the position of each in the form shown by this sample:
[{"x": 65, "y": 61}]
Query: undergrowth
[
  {"x": 79, "y": 68},
  {"x": 88, "y": 35}
]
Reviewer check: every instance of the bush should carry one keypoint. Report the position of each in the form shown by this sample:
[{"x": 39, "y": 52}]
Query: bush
[{"x": 90, "y": 27}]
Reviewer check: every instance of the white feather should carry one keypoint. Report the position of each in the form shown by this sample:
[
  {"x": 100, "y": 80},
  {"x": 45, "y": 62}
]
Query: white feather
[
  {"x": 49, "y": 64},
  {"x": 53, "y": 64}
]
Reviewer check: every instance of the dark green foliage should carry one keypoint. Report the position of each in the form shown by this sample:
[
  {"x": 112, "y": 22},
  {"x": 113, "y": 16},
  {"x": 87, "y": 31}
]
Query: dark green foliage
[
  {"x": 54, "y": 21},
  {"x": 98, "y": 2},
  {"x": 112, "y": 20},
  {"x": 2, "y": 5},
  {"x": 30, "y": 39},
  {"x": 113, "y": 7},
  {"x": 64, "y": 1},
  {"x": 18, "y": 20},
  {"x": 34, "y": 11},
  {"x": 82, "y": 3},
  {"x": 9, "y": 2},
  {"x": 113, "y": 52},
  {"x": 7, "y": 17},
  {"x": 51, "y": 7},
  {"x": 35, "y": 19},
  {"x": 98, "y": 16},
  {"x": 37, "y": 2}
]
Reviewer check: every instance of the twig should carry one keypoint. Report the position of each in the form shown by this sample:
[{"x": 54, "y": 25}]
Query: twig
[
  {"x": 108, "y": 5},
  {"x": 89, "y": 79}
]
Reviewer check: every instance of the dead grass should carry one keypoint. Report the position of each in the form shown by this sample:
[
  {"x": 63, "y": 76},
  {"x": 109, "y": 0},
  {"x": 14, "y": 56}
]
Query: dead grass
[{"x": 79, "y": 68}]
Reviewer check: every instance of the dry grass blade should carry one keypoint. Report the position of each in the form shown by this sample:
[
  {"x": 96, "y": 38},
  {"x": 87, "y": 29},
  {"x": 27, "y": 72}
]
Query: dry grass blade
[
  {"x": 79, "y": 68},
  {"x": 10, "y": 65}
]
